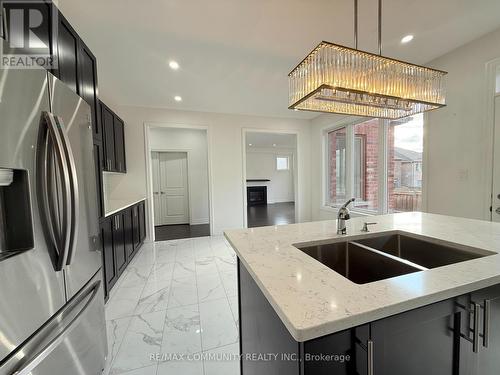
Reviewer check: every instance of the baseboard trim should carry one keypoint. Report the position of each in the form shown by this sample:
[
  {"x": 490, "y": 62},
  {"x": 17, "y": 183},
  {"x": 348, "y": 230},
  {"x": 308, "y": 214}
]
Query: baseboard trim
[{"x": 199, "y": 221}]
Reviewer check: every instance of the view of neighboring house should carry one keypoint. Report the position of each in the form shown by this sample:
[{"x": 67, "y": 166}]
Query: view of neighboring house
[{"x": 407, "y": 169}]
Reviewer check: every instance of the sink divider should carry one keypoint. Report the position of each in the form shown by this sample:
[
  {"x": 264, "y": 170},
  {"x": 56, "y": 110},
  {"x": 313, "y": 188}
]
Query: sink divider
[{"x": 395, "y": 258}]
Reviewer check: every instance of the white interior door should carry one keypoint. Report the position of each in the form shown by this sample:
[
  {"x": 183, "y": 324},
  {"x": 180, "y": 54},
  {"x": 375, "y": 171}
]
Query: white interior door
[
  {"x": 155, "y": 169},
  {"x": 174, "y": 195},
  {"x": 496, "y": 164}
]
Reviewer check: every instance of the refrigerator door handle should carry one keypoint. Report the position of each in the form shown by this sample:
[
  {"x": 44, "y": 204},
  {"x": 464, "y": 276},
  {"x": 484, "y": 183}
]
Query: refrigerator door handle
[
  {"x": 75, "y": 201},
  {"x": 27, "y": 367},
  {"x": 51, "y": 150}
]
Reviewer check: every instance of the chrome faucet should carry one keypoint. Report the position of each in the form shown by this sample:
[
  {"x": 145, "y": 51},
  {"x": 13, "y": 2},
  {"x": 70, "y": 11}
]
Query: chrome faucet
[{"x": 342, "y": 216}]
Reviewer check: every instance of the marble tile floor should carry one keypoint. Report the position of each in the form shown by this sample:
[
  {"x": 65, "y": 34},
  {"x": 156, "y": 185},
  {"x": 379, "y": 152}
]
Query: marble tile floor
[{"x": 175, "y": 311}]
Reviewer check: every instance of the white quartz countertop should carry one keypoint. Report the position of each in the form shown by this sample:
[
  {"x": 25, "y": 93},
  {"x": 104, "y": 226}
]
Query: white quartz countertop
[
  {"x": 112, "y": 206},
  {"x": 312, "y": 300}
]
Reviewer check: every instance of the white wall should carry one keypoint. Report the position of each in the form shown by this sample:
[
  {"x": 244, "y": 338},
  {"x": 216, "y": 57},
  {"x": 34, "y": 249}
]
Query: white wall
[
  {"x": 458, "y": 138},
  {"x": 261, "y": 164},
  {"x": 225, "y": 153},
  {"x": 194, "y": 142}
]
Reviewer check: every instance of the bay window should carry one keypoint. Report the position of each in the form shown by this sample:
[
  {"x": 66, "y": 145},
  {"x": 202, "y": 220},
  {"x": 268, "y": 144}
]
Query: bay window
[{"x": 378, "y": 162}]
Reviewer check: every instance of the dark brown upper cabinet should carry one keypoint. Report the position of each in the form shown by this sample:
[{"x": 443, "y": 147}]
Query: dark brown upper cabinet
[
  {"x": 114, "y": 140},
  {"x": 119, "y": 130},
  {"x": 88, "y": 85},
  {"x": 68, "y": 55}
]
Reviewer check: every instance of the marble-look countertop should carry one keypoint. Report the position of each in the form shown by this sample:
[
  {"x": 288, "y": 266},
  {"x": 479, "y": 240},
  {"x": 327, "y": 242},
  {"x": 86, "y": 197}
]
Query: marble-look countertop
[
  {"x": 312, "y": 300},
  {"x": 112, "y": 206}
]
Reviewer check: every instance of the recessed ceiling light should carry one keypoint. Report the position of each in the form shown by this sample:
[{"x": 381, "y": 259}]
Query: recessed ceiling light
[
  {"x": 177, "y": 98},
  {"x": 250, "y": 144},
  {"x": 407, "y": 39},
  {"x": 173, "y": 65},
  {"x": 274, "y": 144}
]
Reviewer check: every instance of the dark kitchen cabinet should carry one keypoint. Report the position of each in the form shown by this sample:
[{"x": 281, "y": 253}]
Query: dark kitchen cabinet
[
  {"x": 420, "y": 341},
  {"x": 67, "y": 54},
  {"x": 88, "y": 85},
  {"x": 128, "y": 229},
  {"x": 136, "y": 231},
  {"x": 486, "y": 359},
  {"x": 98, "y": 165},
  {"x": 119, "y": 131},
  {"x": 121, "y": 239},
  {"x": 119, "y": 242},
  {"x": 114, "y": 140},
  {"x": 108, "y": 256},
  {"x": 108, "y": 125},
  {"x": 142, "y": 220}
]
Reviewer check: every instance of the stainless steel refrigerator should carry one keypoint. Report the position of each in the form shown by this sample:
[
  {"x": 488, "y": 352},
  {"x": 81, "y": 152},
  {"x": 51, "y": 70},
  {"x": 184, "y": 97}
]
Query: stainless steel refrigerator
[{"x": 51, "y": 290}]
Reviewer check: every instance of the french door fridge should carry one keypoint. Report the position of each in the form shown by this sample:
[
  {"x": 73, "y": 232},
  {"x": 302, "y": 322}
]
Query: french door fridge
[{"x": 52, "y": 304}]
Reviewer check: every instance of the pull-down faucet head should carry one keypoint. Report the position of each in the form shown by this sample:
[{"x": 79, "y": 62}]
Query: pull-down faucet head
[{"x": 342, "y": 216}]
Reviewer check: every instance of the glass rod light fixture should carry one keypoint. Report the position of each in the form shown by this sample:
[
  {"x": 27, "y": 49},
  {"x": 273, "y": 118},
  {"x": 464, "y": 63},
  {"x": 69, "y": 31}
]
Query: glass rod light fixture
[{"x": 339, "y": 79}]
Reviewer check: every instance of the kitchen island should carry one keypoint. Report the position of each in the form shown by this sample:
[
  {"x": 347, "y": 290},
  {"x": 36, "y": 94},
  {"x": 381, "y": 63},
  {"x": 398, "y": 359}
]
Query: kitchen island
[{"x": 418, "y": 294}]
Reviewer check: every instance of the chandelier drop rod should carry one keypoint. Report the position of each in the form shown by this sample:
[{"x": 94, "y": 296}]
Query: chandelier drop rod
[
  {"x": 355, "y": 24},
  {"x": 379, "y": 27}
]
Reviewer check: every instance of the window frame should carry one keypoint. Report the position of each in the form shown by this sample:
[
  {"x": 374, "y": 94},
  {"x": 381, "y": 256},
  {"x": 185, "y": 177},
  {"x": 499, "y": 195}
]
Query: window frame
[{"x": 349, "y": 124}]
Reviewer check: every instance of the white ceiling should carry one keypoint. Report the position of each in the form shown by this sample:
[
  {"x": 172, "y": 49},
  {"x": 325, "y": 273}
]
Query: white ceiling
[
  {"x": 269, "y": 140},
  {"x": 235, "y": 54}
]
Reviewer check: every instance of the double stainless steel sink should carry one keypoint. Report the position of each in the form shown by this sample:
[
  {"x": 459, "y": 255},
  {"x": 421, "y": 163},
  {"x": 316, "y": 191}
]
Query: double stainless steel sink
[{"x": 377, "y": 257}]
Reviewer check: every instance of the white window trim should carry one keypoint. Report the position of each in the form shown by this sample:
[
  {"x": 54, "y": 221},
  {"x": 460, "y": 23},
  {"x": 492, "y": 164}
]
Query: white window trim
[{"x": 349, "y": 124}]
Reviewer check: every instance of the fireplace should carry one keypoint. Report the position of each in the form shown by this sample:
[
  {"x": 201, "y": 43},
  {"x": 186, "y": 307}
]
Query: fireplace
[{"x": 256, "y": 195}]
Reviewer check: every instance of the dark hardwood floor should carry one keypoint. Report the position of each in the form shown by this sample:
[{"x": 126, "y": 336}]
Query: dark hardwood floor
[
  {"x": 271, "y": 214},
  {"x": 175, "y": 232}
]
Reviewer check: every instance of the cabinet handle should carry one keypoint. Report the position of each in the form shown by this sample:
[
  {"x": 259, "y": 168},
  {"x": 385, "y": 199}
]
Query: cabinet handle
[
  {"x": 369, "y": 351},
  {"x": 475, "y": 338},
  {"x": 109, "y": 164},
  {"x": 486, "y": 332},
  {"x": 119, "y": 165}
]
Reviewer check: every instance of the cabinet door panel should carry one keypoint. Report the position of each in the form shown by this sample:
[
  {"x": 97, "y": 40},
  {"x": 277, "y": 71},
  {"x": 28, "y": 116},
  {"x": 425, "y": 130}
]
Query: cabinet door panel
[
  {"x": 487, "y": 360},
  {"x": 142, "y": 220},
  {"x": 88, "y": 86},
  {"x": 109, "y": 138},
  {"x": 119, "y": 134},
  {"x": 421, "y": 341},
  {"x": 119, "y": 243},
  {"x": 136, "y": 231},
  {"x": 67, "y": 53},
  {"x": 128, "y": 229},
  {"x": 98, "y": 165},
  {"x": 110, "y": 271}
]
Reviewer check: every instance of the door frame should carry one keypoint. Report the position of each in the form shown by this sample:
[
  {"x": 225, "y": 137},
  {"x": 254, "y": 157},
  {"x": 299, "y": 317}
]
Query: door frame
[
  {"x": 188, "y": 170},
  {"x": 295, "y": 169},
  {"x": 149, "y": 171},
  {"x": 491, "y": 69}
]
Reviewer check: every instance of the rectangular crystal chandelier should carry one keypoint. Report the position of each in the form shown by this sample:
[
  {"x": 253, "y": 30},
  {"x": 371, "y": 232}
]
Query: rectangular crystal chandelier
[{"x": 338, "y": 79}]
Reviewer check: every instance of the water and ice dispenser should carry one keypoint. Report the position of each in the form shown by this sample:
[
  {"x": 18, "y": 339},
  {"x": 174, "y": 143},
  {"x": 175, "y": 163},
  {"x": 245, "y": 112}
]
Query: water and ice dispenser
[{"x": 16, "y": 226}]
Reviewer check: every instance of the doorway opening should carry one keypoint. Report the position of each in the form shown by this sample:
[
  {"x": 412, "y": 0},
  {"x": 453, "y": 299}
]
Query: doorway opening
[
  {"x": 179, "y": 181},
  {"x": 270, "y": 178}
]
